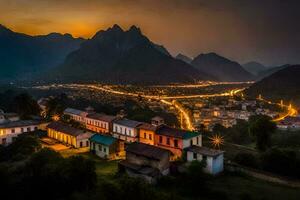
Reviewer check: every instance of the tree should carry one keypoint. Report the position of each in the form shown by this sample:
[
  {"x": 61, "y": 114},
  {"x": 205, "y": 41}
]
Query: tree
[
  {"x": 262, "y": 127},
  {"x": 25, "y": 106},
  {"x": 55, "y": 106}
]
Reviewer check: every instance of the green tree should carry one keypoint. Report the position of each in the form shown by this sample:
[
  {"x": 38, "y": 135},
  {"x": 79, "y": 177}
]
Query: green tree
[
  {"x": 25, "y": 106},
  {"x": 262, "y": 127}
]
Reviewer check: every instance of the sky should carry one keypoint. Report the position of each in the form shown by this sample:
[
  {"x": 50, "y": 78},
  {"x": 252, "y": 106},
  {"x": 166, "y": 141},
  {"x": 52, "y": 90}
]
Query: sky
[{"x": 267, "y": 31}]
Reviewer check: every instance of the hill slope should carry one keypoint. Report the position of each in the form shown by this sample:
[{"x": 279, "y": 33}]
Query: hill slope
[
  {"x": 184, "y": 58},
  {"x": 125, "y": 57},
  {"x": 283, "y": 84},
  {"x": 221, "y": 68},
  {"x": 22, "y": 54},
  {"x": 254, "y": 67}
]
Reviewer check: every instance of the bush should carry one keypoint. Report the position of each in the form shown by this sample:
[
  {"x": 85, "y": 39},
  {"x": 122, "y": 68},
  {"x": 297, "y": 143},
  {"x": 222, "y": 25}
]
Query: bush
[
  {"x": 283, "y": 162},
  {"x": 247, "y": 159}
]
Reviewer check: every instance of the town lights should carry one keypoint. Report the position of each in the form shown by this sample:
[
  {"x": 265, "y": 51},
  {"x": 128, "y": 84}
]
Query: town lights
[
  {"x": 55, "y": 118},
  {"x": 217, "y": 141}
]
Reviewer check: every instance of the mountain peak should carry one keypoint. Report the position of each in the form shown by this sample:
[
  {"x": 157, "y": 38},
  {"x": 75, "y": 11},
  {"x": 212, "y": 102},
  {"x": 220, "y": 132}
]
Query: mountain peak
[
  {"x": 221, "y": 68},
  {"x": 134, "y": 28},
  {"x": 116, "y": 27}
]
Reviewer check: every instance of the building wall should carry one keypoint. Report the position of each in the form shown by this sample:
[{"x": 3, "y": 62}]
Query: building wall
[
  {"x": 163, "y": 143},
  {"x": 176, "y": 150},
  {"x": 146, "y": 136},
  {"x": 125, "y": 133},
  {"x": 8, "y": 134},
  {"x": 97, "y": 125},
  {"x": 193, "y": 141},
  {"x": 104, "y": 151},
  {"x": 214, "y": 165},
  {"x": 161, "y": 165}
]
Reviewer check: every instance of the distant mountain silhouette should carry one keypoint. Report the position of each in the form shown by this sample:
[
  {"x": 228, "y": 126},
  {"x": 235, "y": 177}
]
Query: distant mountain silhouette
[
  {"x": 21, "y": 54},
  {"x": 269, "y": 71},
  {"x": 125, "y": 57},
  {"x": 221, "y": 68},
  {"x": 283, "y": 84},
  {"x": 254, "y": 67},
  {"x": 184, "y": 58}
]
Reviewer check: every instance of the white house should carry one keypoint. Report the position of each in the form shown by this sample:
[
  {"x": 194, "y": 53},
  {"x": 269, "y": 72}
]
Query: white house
[
  {"x": 214, "y": 158},
  {"x": 12, "y": 129},
  {"x": 104, "y": 146},
  {"x": 126, "y": 130},
  {"x": 77, "y": 115}
]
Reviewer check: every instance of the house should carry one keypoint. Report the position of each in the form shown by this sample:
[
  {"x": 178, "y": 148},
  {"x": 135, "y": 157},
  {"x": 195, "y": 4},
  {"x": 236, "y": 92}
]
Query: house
[
  {"x": 147, "y": 133},
  {"x": 8, "y": 117},
  {"x": 126, "y": 130},
  {"x": 214, "y": 158},
  {"x": 76, "y": 115},
  {"x": 176, "y": 140},
  {"x": 145, "y": 161},
  {"x": 68, "y": 135},
  {"x": 99, "y": 123},
  {"x": 9, "y": 130},
  {"x": 157, "y": 121},
  {"x": 104, "y": 146}
]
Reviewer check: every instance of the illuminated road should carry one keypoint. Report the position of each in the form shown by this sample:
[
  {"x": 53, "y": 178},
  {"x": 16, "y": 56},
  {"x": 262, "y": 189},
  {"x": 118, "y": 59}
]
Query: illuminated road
[
  {"x": 168, "y": 100},
  {"x": 291, "y": 111}
]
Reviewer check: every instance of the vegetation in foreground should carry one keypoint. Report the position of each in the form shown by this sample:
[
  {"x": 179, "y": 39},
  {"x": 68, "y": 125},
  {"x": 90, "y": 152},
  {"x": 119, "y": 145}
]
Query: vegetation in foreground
[{"x": 29, "y": 172}]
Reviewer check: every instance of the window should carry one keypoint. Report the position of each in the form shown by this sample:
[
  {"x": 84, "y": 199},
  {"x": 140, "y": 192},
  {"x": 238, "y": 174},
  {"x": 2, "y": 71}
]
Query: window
[
  {"x": 80, "y": 143},
  {"x": 145, "y": 135},
  {"x": 194, "y": 156},
  {"x": 99, "y": 147},
  {"x": 168, "y": 141},
  {"x": 13, "y": 130},
  {"x": 22, "y": 130},
  {"x": 104, "y": 149},
  {"x": 160, "y": 139},
  {"x": 197, "y": 140},
  {"x": 35, "y": 128},
  {"x": 150, "y": 136},
  {"x": 3, "y": 140},
  {"x": 204, "y": 158},
  {"x": 129, "y": 132},
  {"x": 28, "y": 129},
  {"x": 87, "y": 143},
  {"x": 191, "y": 142},
  {"x": 175, "y": 143}
]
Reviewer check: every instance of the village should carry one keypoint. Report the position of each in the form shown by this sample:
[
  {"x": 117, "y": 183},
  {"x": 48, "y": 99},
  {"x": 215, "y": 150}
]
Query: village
[{"x": 144, "y": 149}]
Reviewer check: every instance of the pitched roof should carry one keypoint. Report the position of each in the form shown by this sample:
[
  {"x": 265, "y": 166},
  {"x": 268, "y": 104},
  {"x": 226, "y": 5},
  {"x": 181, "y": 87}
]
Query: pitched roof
[
  {"x": 204, "y": 151},
  {"x": 101, "y": 117},
  {"x": 21, "y": 123},
  {"x": 146, "y": 126},
  {"x": 147, "y": 150},
  {"x": 103, "y": 139},
  {"x": 64, "y": 128},
  {"x": 73, "y": 111},
  {"x": 174, "y": 132},
  {"x": 128, "y": 123}
]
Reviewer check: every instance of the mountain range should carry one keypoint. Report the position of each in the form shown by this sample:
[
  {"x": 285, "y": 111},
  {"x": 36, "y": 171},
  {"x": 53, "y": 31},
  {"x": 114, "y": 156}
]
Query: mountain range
[
  {"x": 124, "y": 57},
  {"x": 22, "y": 55},
  {"x": 112, "y": 56},
  {"x": 283, "y": 84},
  {"x": 221, "y": 68},
  {"x": 254, "y": 67}
]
